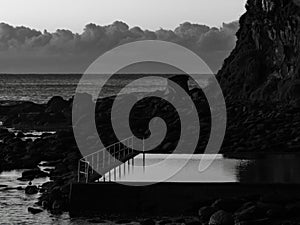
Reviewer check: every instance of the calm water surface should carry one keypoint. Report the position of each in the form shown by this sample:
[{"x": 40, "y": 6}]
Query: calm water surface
[{"x": 263, "y": 169}]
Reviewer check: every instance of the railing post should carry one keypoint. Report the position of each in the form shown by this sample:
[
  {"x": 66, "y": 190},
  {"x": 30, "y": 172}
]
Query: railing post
[
  {"x": 98, "y": 162},
  {"x": 144, "y": 153},
  {"x": 103, "y": 160},
  {"x": 92, "y": 164},
  {"x": 78, "y": 179}
]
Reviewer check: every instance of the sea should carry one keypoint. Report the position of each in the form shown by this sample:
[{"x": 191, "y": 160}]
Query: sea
[{"x": 39, "y": 88}]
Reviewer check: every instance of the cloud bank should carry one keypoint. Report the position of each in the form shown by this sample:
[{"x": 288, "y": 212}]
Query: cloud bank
[{"x": 25, "y": 50}]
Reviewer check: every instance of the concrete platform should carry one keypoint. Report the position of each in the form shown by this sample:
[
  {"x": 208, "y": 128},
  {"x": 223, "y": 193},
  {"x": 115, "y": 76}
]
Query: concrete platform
[{"x": 162, "y": 198}]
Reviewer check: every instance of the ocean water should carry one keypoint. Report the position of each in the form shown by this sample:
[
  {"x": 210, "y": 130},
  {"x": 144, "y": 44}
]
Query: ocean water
[{"x": 40, "y": 88}]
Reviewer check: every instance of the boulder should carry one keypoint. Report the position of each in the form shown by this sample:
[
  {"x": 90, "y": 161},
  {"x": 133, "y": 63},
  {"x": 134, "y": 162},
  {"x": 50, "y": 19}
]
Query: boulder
[
  {"x": 148, "y": 222},
  {"x": 56, "y": 105},
  {"x": 221, "y": 217},
  {"x": 32, "y": 174},
  {"x": 206, "y": 212},
  {"x": 293, "y": 209},
  {"x": 34, "y": 210},
  {"x": 250, "y": 213},
  {"x": 31, "y": 190}
]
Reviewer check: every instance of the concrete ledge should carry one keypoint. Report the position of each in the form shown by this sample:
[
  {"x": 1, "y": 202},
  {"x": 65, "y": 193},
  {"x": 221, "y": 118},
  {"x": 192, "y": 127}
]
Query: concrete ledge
[{"x": 161, "y": 198}]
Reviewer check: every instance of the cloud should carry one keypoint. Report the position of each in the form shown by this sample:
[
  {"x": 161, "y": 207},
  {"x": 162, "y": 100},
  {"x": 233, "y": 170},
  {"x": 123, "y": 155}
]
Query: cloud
[{"x": 25, "y": 50}]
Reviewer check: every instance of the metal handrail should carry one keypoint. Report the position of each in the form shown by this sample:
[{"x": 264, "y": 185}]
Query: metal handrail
[{"x": 89, "y": 160}]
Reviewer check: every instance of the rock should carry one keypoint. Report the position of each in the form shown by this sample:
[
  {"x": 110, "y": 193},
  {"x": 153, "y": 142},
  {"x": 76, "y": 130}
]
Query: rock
[
  {"x": 97, "y": 221},
  {"x": 221, "y": 218},
  {"x": 272, "y": 210},
  {"x": 206, "y": 212},
  {"x": 255, "y": 222},
  {"x": 56, "y": 105},
  {"x": 124, "y": 221},
  {"x": 20, "y": 135},
  {"x": 57, "y": 205},
  {"x": 181, "y": 80},
  {"x": 148, "y": 222},
  {"x": 32, "y": 174},
  {"x": 34, "y": 210},
  {"x": 229, "y": 205},
  {"x": 164, "y": 222},
  {"x": 251, "y": 213},
  {"x": 31, "y": 190},
  {"x": 293, "y": 209}
]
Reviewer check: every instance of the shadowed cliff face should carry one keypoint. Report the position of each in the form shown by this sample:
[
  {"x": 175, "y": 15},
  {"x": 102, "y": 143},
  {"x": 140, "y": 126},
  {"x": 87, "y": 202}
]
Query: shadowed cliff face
[{"x": 265, "y": 64}]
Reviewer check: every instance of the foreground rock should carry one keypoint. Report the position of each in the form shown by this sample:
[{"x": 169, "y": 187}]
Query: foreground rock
[
  {"x": 34, "y": 210},
  {"x": 221, "y": 218},
  {"x": 31, "y": 190},
  {"x": 29, "y": 175}
]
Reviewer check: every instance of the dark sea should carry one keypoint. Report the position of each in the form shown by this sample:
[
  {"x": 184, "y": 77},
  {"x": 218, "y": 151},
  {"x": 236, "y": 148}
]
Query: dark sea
[{"x": 40, "y": 88}]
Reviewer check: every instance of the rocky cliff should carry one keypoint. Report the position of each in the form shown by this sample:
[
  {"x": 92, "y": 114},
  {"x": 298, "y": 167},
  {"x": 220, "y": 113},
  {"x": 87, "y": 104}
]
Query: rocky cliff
[{"x": 265, "y": 64}]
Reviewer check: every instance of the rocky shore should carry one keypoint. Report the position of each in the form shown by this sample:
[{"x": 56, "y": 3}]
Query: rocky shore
[{"x": 253, "y": 127}]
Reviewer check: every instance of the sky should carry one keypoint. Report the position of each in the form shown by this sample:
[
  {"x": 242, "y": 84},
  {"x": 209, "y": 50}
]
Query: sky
[{"x": 74, "y": 26}]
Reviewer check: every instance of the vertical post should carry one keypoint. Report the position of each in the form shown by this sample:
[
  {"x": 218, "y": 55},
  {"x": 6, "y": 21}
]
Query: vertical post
[
  {"x": 98, "y": 162},
  {"x": 103, "y": 159},
  {"x": 144, "y": 163},
  {"x": 78, "y": 179},
  {"x": 114, "y": 153},
  {"x": 109, "y": 176},
  {"x": 124, "y": 168},
  {"x": 87, "y": 172},
  {"x": 92, "y": 164}
]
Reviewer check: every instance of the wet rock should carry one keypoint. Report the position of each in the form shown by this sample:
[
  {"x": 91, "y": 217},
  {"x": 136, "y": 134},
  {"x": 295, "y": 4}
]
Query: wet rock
[
  {"x": 256, "y": 222},
  {"x": 123, "y": 221},
  {"x": 31, "y": 190},
  {"x": 148, "y": 222},
  {"x": 164, "y": 222},
  {"x": 229, "y": 205},
  {"x": 34, "y": 210},
  {"x": 32, "y": 174},
  {"x": 20, "y": 135},
  {"x": 56, "y": 105},
  {"x": 57, "y": 205},
  {"x": 97, "y": 221},
  {"x": 206, "y": 212},
  {"x": 250, "y": 213},
  {"x": 272, "y": 210},
  {"x": 221, "y": 218},
  {"x": 293, "y": 209}
]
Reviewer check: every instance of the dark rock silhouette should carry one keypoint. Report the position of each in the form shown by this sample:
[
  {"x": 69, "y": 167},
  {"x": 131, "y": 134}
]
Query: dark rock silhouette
[
  {"x": 31, "y": 189},
  {"x": 34, "y": 210},
  {"x": 265, "y": 62}
]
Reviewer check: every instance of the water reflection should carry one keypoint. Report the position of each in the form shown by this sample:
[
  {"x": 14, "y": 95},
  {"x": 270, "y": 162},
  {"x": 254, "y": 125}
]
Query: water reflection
[{"x": 270, "y": 169}]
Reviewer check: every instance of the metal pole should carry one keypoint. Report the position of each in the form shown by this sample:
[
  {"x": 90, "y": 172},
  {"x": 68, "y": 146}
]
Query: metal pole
[
  {"x": 92, "y": 164},
  {"x": 144, "y": 153},
  {"x": 78, "y": 171},
  {"x": 98, "y": 162},
  {"x": 103, "y": 159}
]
